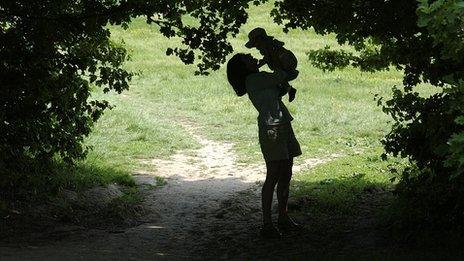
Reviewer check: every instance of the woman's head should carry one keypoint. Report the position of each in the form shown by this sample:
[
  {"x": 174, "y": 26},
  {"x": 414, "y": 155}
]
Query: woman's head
[{"x": 238, "y": 68}]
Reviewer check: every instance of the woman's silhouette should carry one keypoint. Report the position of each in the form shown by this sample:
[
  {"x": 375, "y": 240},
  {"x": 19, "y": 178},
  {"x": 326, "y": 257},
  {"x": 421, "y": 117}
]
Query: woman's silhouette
[{"x": 277, "y": 140}]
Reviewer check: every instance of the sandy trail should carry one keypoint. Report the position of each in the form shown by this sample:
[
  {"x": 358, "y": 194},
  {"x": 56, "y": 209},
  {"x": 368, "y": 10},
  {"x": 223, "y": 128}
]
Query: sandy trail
[
  {"x": 209, "y": 197},
  {"x": 208, "y": 194}
]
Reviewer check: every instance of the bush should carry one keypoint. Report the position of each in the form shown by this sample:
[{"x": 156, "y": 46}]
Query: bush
[
  {"x": 429, "y": 132},
  {"x": 424, "y": 39},
  {"x": 49, "y": 59}
]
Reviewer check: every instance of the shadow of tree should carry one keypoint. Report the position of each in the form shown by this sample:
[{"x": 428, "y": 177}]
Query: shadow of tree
[
  {"x": 343, "y": 218},
  {"x": 340, "y": 216},
  {"x": 85, "y": 195}
]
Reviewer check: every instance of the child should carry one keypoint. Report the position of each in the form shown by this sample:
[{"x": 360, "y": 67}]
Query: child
[{"x": 275, "y": 56}]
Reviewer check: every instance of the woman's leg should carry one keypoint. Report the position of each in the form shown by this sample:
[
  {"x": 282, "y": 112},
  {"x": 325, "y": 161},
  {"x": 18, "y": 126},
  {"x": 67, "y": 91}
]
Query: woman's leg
[
  {"x": 283, "y": 186},
  {"x": 272, "y": 177}
]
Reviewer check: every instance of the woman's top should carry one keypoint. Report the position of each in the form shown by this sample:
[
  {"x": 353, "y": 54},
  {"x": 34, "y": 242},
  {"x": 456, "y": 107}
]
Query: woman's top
[{"x": 264, "y": 91}]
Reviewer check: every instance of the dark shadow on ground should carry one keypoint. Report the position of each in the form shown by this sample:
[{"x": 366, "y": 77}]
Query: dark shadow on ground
[
  {"x": 338, "y": 224},
  {"x": 341, "y": 219},
  {"x": 64, "y": 199}
]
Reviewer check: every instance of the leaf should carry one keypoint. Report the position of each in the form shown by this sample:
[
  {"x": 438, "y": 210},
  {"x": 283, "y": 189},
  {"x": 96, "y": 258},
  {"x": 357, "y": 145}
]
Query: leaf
[
  {"x": 456, "y": 174},
  {"x": 460, "y": 120},
  {"x": 460, "y": 4},
  {"x": 423, "y": 21}
]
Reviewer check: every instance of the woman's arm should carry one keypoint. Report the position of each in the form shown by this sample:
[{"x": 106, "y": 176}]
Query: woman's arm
[
  {"x": 263, "y": 80},
  {"x": 261, "y": 63},
  {"x": 279, "y": 77}
]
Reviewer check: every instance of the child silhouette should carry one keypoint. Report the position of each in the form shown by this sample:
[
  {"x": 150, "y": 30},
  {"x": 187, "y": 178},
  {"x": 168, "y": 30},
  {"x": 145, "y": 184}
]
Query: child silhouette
[{"x": 275, "y": 56}]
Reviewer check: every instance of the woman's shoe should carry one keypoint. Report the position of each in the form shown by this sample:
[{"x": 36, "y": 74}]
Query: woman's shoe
[
  {"x": 270, "y": 232},
  {"x": 287, "y": 223}
]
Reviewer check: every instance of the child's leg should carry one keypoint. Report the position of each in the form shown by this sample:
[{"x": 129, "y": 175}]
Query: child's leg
[
  {"x": 287, "y": 88},
  {"x": 291, "y": 94},
  {"x": 292, "y": 74},
  {"x": 284, "y": 88}
]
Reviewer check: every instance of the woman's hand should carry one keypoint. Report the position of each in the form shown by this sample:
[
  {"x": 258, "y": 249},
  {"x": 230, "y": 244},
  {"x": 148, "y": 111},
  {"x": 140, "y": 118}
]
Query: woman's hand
[{"x": 272, "y": 134}]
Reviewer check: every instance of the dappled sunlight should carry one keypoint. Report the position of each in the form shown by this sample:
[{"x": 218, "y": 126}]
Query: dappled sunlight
[
  {"x": 153, "y": 227},
  {"x": 198, "y": 215},
  {"x": 208, "y": 194},
  {"x": 199, "y": 218},
  {"x": 212, "y": 160}
]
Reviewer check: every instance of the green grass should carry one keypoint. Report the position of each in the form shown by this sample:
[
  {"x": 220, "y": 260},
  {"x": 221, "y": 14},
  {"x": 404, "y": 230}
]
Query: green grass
[
  {"x": 338, "y": 184},
  {"x": 334, "y": 111}
]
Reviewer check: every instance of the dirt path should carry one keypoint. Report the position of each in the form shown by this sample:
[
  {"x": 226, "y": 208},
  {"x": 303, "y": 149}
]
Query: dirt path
[
  {"x": 210, "y": 206},
  {"x": 208, "y": 196}
]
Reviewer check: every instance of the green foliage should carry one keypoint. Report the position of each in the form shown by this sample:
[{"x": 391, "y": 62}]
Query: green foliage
[
  {"x": 384, "y": 33},
  {"x": 423, "y": 128},
  {"x": 455, "y": 159},
  {"x": 41, "y": 182},
  {"x": 424, "y": 39},
  {"x": 329, "y": 60},
  {"x": 52, "y": 52},
  {"x": 49, "y": 59},
  {"x": 444, "y": 21}
]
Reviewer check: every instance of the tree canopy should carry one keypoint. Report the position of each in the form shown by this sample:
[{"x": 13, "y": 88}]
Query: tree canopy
[
  {"x": 51, "y": 52},
  {"x": 425, "y": 40}
]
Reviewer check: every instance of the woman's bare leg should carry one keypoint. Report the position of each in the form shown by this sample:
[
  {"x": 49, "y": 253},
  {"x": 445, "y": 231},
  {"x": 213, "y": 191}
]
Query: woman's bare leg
[
  {"x": 272, "y": 177},
  {"x": 283, "y": 186}
]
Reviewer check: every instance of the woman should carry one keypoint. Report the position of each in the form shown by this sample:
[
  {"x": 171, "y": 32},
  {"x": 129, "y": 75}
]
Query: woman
[{"x": 277, "y": 140}]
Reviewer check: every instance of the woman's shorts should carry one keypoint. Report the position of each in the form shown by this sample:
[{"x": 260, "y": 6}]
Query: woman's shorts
[{"x": 278, "y": 142}]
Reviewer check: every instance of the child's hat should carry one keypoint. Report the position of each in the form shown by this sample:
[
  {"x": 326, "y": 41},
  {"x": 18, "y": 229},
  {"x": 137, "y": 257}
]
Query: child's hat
[{"x": 255, "y": 34}]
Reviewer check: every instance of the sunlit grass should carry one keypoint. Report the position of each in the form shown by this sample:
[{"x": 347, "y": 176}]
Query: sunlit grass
[{"x": 334, "y": 112}]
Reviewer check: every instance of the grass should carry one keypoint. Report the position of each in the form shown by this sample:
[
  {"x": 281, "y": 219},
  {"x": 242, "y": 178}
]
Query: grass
[
  {"x": 337, "y": 185},
  {"x": 334, "y": 113}
]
